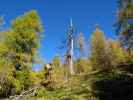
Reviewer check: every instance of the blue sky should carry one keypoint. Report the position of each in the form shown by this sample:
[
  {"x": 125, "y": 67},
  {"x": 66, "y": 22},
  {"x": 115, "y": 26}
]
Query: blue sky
[{"x": 55, "y": 15}]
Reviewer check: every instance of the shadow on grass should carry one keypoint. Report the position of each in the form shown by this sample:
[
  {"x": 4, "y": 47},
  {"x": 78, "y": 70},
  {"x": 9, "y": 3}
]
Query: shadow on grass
[{"x": 119, "y": 87}]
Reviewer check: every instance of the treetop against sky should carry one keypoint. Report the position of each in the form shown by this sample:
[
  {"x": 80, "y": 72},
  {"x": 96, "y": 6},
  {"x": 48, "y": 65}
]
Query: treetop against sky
[{"x": 55, "y": 17}]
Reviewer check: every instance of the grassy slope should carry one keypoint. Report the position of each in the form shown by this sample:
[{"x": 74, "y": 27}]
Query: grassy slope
[
  {"x": 77, "y": 88},
  {"x": 107, "y": 86}
]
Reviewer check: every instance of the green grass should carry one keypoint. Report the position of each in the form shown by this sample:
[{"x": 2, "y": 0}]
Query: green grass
[{"x": 90, "y": 87}]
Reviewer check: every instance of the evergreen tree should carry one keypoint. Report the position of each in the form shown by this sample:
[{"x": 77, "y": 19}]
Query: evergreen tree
[
  {"x": 56, "y": 61},
  {"x": 125, "y": 22},
  {"x": 99, "y": 57},
  {"x": 80, "y": 41},
  {"x": 114, "y": 50},
  {"x": 23, "y": 39},
  {"x": 18, "y": 47}
]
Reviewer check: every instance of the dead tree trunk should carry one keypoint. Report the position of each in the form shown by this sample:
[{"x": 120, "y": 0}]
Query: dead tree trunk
[{"x": 69, "y": 53}]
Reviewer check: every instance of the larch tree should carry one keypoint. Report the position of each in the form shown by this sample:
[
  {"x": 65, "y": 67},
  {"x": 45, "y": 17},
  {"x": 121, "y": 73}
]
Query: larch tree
[
  {"x": 80, "y": 62},
  {"x": 22, "y": 42},
  {"x": 124, "y": 24},
  {"x": 58, "y": 70},
  {"x": 56, "y": 61},
  {"x": 80, "y": 41},
  {"x": 117, "y": 54},
  {"x": 23, "y": 38},
  {"x": 99, "y": 57}
]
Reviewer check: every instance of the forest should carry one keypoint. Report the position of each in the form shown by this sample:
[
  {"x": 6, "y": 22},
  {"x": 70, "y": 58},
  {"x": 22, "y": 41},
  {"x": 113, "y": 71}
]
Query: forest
[{"x": 105, "y": 74}]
